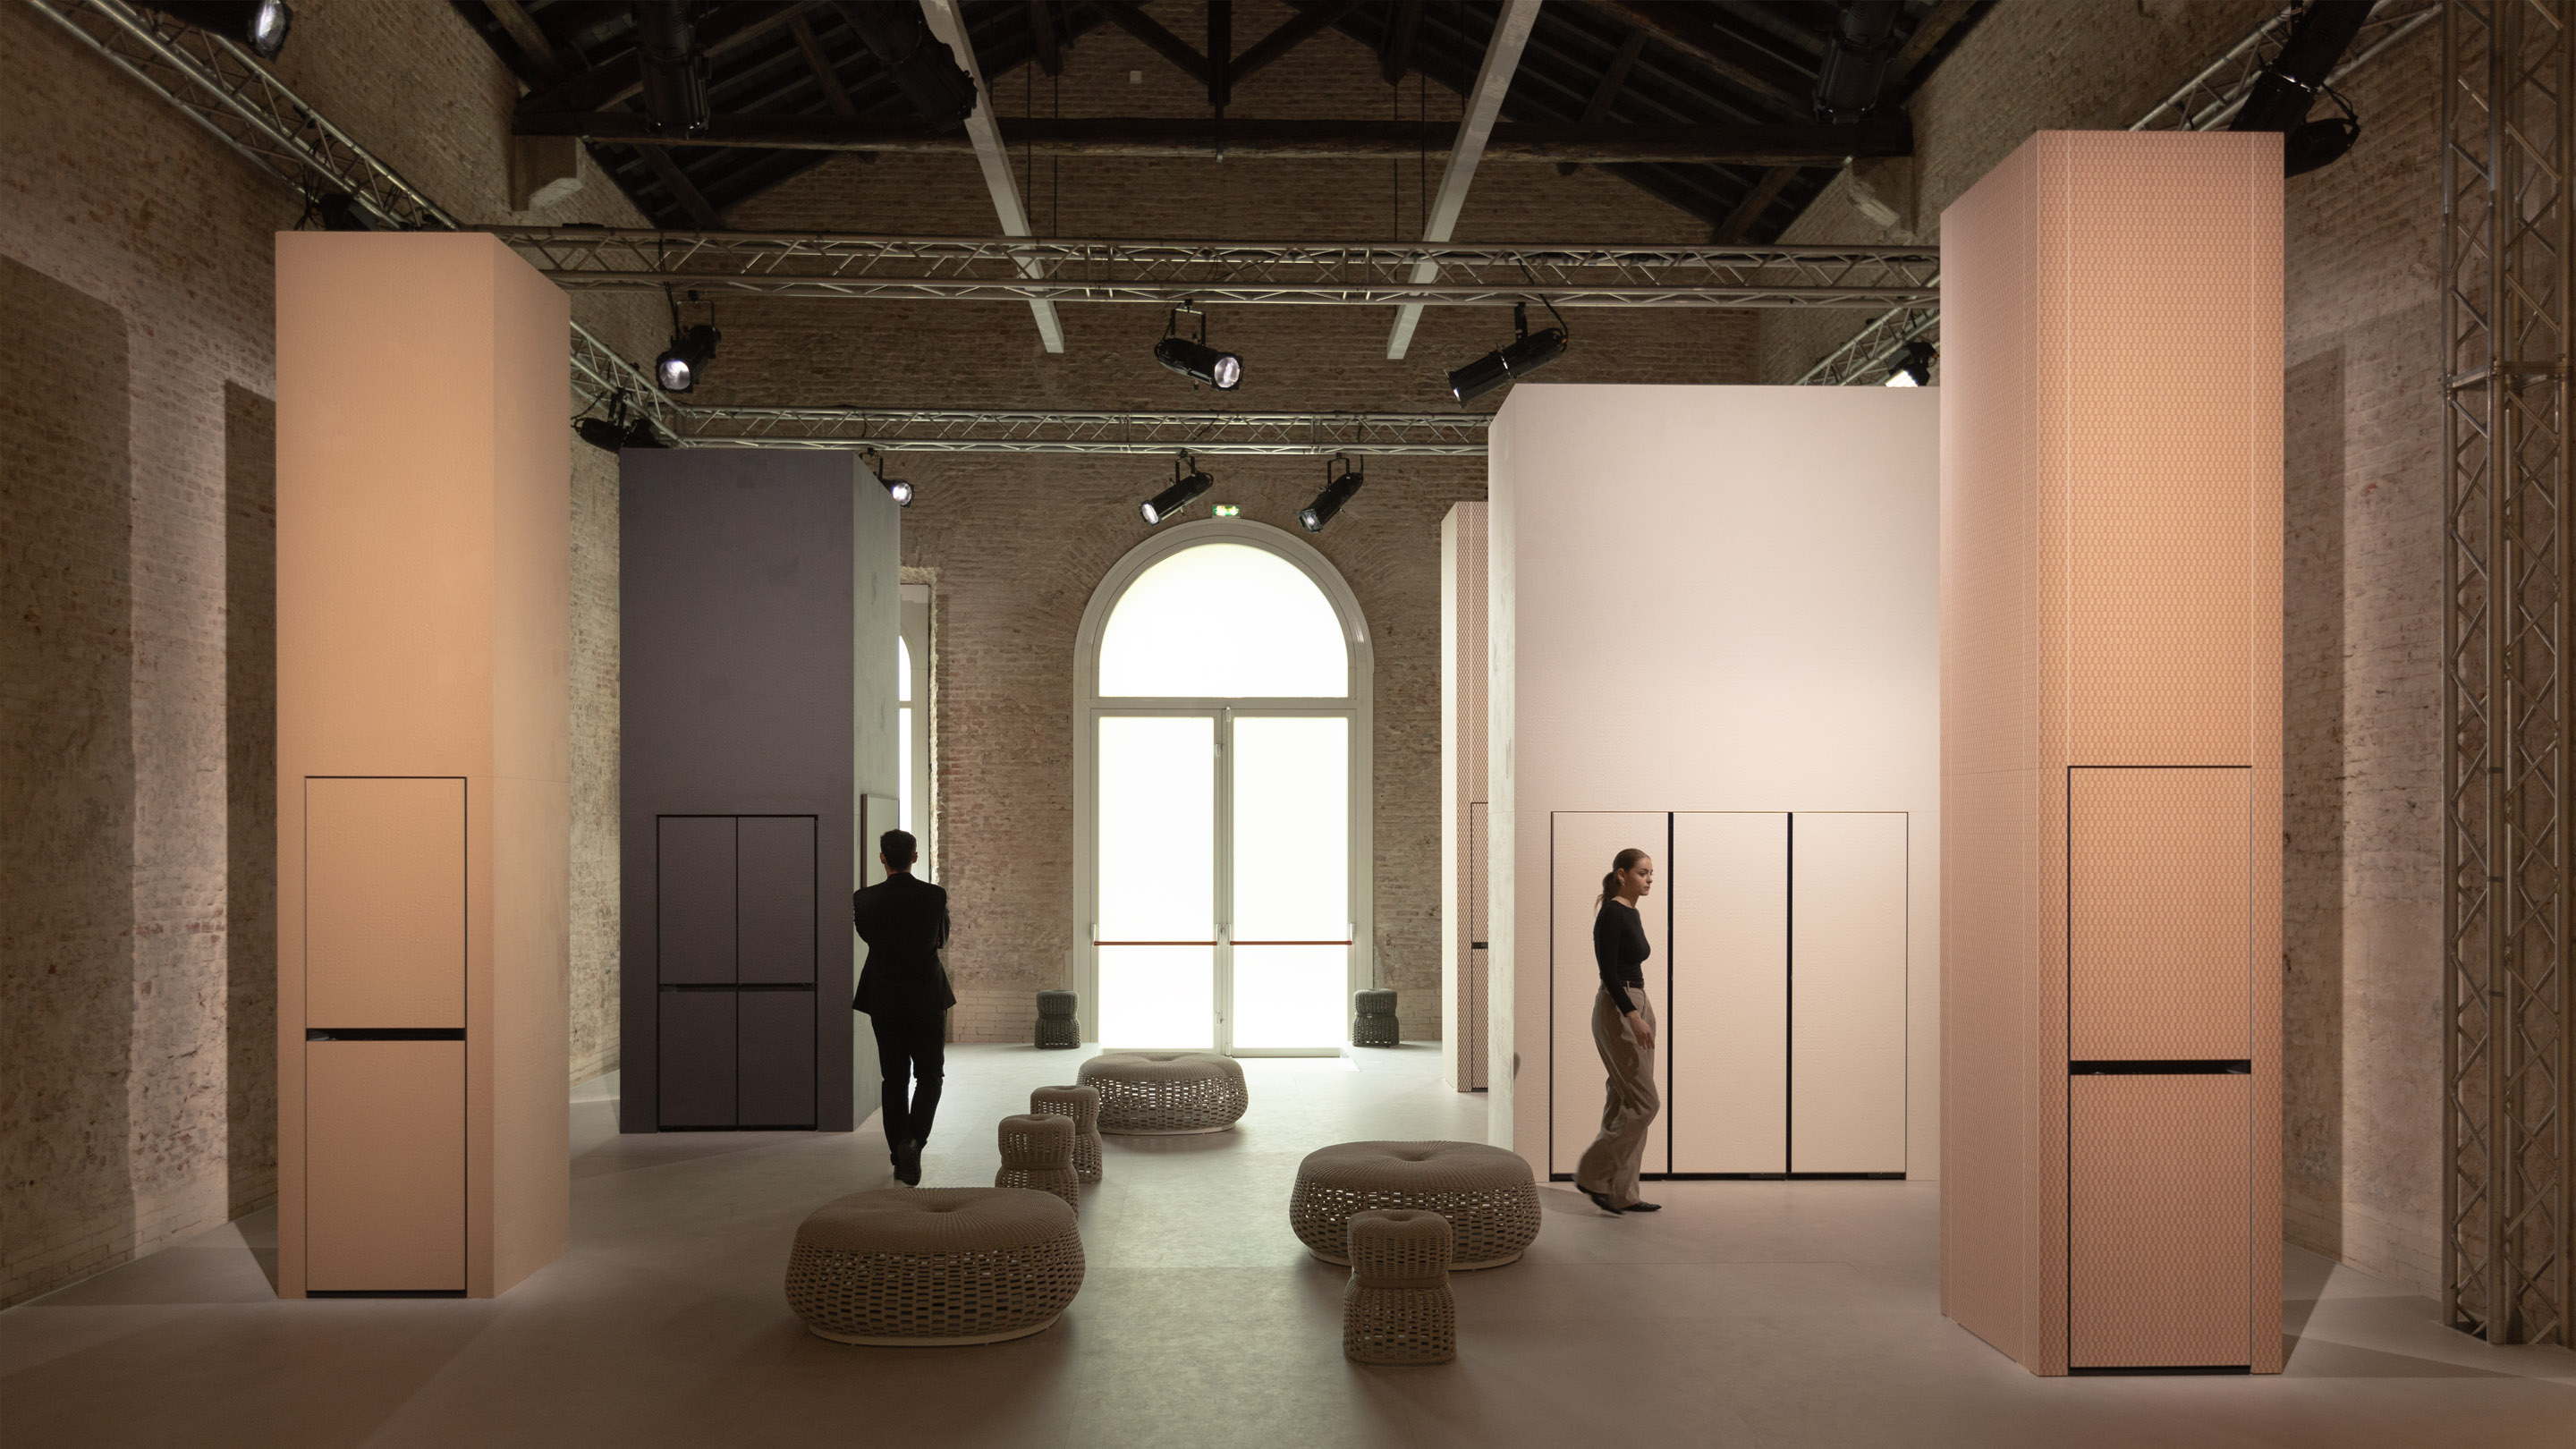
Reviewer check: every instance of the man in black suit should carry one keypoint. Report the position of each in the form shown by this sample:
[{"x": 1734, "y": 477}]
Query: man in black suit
[{"x": 904, "y": 990}]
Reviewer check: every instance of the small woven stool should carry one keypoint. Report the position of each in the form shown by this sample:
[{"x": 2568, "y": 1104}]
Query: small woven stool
[
  {"x": 1373, "y": 1019},
  {"x": 1056, "y": 1024},
  {"x": 945, "y": 1265},
  {"x": 1037, "y": 1152},
  {"x": 1158, "y": 1093},
  {"x": 1082, "y": 1104},
  {"x": 1486, "y": 1193},
  {"x": 1397, "y": 1308}
]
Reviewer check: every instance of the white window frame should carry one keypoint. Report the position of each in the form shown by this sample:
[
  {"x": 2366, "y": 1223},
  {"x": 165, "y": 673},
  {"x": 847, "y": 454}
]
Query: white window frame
[{"x": 1083, "y": 963}]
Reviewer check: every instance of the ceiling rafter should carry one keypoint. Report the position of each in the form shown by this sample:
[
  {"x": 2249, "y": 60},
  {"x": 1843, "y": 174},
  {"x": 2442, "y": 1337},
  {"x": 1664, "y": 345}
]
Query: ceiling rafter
[
  {"x": 948, "y": 22},
  {"x": 1133, "y": 19},
  {"x": 1483, "y": 105}
]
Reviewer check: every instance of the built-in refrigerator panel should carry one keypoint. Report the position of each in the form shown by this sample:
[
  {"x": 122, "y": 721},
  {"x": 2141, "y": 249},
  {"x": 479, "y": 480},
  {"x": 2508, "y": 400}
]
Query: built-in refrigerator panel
[
  {"x": 384, "y": 1181},
  {"x": 1728, "y": 1033},
  {"x": 1847, "y": 965}
]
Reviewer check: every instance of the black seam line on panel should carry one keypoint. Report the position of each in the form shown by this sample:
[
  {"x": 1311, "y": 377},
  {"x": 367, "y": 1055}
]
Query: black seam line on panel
[
  {"x": 737, "y": 963},
  {"x": 737, "y": 986},
  {"x": 2066, "y": 1032},
  {"x": 1552, "y": 973},
  {"x": 1789, "y": 991},
  {"x": 2162, "y": 1067},
  {"x": 2159, "y": 1370},
  {"x": 384, "y": 1292},
  {"x": 1672, "y": 989},
  {"x": 384, "y": 1033},
  {"x": 465, "y": 1009}
]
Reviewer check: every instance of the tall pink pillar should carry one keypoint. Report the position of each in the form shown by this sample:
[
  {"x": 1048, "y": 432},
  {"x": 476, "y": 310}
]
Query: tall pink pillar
[{"x": 2111, "y": 722}]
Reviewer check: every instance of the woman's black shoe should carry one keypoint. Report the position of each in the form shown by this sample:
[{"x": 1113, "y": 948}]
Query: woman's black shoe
[
  {"x": 1644, "y": 1207},
  {"x": 1602, "y": 1201},
  {"x": 907, "y": 1164}
]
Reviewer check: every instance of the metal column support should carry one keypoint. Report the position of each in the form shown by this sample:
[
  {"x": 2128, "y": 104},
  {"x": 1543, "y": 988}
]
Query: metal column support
[{"x": 2509, "y": 218}]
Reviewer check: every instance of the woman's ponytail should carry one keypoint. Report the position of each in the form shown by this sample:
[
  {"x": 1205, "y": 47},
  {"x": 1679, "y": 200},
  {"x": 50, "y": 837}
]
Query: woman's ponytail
[{"x": 1625, "y": 860}]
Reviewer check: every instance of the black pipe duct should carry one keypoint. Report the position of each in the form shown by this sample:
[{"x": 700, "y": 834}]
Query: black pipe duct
[
  {"x": 923, "y": 68},
  {"x": 673, "y": 73},
  {"x": 1855, "y": 64}
]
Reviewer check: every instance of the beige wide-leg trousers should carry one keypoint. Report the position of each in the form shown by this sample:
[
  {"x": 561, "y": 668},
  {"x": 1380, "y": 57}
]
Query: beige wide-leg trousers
[{"x": 1610, "y": 1164}]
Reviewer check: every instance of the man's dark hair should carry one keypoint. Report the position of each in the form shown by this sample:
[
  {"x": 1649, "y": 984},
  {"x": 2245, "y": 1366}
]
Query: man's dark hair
[{"x": 898, "y": 847}]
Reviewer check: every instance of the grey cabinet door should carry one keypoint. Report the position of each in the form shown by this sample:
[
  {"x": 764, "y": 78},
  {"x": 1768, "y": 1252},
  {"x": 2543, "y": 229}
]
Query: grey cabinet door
[
  {"x": 694, "y": 899},
  {"x": 775, "y": 1036},
  {"x": 775, "y": 891},
  {"x": 697, "y": 1059}
]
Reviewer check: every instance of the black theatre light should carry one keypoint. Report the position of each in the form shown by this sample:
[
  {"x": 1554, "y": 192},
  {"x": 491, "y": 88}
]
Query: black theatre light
[
  {"x": 1193, "y": 358},
  {"x": 339, "y": 211},
  {"x": 896, "y": 488},
  {"x": 2314, "y": 144},
  {"x": 259, "y": 24},
  {"x": 1184, "y": 488},
  {"x": 924, "y": 69},
  {"x": 691, "y": 349},
  {"x": 1914, "y": 365},
  {"x": 1337, "y": 491},
  {"x": 1528, "y": 352},
  {"x": 670, "y": 67},
  {"x": 617, "y": 432}
]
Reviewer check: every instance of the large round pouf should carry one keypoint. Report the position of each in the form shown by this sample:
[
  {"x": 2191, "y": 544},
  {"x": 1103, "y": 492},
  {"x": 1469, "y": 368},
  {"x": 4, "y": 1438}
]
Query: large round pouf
[
  {"x": 911, "y": 1267},
  {"x": 1158, "y": 1093},
  {"x": 1486, "y": 1193},
  {"x": 1397, "y": 1307},
  {"x": 1057, "y": 1026},
  {"x": 1082, "y": 1104}
]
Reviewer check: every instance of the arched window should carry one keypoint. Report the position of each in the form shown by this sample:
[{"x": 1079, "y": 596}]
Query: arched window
[{"x": 1223, "y": 895}]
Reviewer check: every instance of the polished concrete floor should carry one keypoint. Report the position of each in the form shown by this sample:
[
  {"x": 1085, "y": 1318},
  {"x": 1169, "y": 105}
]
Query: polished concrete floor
[{"x": 1747, "y": 1313}]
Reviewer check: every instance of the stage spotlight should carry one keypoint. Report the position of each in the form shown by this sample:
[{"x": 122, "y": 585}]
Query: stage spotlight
[
  {"x": 259, "y": 24},
  {"x": 671, "y": 69},
  {"x": 2314, "y": 144},
  {"x": 339, "y": 211},
  {"x": 1528, "y": 352},
  {"x": 896, "y": 488},
  {"x": 925, "y": 70},
  {"x": 601, "y": 433},
  {"x": 640, "y": 434},
  {"x": 1337, "y": 491},
  {"x": 692, "y": 348},
  {"x": 1173, "y": 499},
  {"x": 616, "y": 432},
  {"x": 1913, "y": 366},
  {"x": 1193, "y": 358}
]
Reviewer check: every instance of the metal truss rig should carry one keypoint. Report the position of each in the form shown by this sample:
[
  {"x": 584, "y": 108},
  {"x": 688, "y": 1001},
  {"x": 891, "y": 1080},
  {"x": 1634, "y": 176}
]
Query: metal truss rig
[
  {"x": 2509, "y": 224},
  {"x": 2206, "y": 102},
  {"x": 1235, "y": 434},
  {"x": 1346, "y": 274}
]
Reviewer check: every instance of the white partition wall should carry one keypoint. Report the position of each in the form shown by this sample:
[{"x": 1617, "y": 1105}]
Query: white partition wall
[{"x": 1713, "y": 618}]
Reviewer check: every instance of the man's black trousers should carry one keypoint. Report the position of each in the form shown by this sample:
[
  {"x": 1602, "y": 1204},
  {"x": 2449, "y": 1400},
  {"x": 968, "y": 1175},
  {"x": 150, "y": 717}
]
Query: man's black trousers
[{"x": 910, "y": 1049}]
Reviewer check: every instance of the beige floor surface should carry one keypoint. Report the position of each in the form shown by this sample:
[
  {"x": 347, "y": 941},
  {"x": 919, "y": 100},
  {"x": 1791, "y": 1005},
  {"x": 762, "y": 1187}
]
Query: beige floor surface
[{"x": 1745, "y": 1314}]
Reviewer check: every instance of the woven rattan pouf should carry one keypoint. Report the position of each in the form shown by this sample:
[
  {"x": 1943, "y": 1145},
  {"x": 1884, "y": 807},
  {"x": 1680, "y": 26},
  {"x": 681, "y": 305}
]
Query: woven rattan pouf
[
  {"x": 1056, "y": 1024},
  {"x": 1082, "y": 1104},
  {"x": 1037, "y": 1152},
  {"x": 912, "y": 1266},
  {"x": 1397, "y": 1308},
  {"x": 1152, "y": 1093},
  {"x": 1373, "y": 1019},
  {"x": 1485, "y": 1192}
]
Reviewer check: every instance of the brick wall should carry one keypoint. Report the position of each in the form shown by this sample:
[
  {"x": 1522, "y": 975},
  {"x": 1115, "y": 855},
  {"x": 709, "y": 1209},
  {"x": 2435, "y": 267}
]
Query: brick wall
[{"x": 137, "y": 912}]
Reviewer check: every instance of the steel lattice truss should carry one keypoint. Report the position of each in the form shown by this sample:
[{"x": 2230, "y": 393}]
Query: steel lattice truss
[
  {"x": 933, "y": 430},
  {"x": 2508, "y": 121},
  {"x": 1353, "y": 274},
  {"x": 2206, "y": 102}
]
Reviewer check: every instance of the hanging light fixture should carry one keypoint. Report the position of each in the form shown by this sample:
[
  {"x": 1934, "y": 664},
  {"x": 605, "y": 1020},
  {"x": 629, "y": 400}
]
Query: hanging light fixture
[
  {"x": 1193, "y": 358},
  {"x": 1337, "y": 491},
  {"x": 1527, "y": 352},
  {"x": 1914, "y": 365},
  {"x": 618, "y": 432},
  {"x": 1184, "y": 488},
  {"x": 262, "y": 25},
  {"x": 681, "y": 364},
  {"x": 896, "y": 488}
]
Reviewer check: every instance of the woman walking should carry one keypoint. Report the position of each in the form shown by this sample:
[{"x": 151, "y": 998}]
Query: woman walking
[{"x": 1623, "y": 1029}]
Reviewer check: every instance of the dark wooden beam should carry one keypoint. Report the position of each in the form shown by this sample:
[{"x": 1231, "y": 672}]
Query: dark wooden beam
[
  {"x": 529, "y": 36},
  {"x": 1295, "y": 31},
  {"x": 1403, "y": 29},
  {"x": 1755, "y": 202},
  {"x": 1220, "y": 54},
  {"x": 1789, "y": 92},
  {"x": 1936, "y": 26},
  {"x": 613, "y": 81},
  {"x": 1597, "y": 109},
  {"x": 1162, "y": 42},
  {"x": 1786, "y": 144},
  {"x": 835, "y": 94},
  {"x": 1050, "y": 56},
  {"x": 691, "y": 199}
]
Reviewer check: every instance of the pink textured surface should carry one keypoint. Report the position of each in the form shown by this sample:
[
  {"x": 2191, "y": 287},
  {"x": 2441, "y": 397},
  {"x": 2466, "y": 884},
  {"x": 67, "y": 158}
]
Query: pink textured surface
[
  {"x": 2111, "y": 548},
  {"x": 2159, "y": 1209}
]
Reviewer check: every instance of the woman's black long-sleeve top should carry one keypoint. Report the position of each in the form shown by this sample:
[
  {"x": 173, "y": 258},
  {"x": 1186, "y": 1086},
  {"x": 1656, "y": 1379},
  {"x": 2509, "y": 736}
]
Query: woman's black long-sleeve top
[{"x": 1619, "y": 948}]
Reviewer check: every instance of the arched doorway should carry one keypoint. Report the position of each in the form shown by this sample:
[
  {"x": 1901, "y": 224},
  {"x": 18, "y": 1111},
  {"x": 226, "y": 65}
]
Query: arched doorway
[{"x": 1222, "y": 814}]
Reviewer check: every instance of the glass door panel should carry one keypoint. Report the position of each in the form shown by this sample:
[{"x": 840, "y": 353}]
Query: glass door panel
[
  {"x": 1157, "y": 880},
  {"x": 1290, "y": 880}
]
